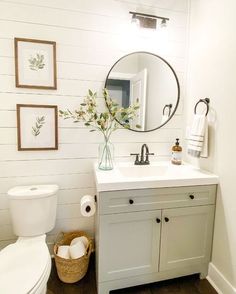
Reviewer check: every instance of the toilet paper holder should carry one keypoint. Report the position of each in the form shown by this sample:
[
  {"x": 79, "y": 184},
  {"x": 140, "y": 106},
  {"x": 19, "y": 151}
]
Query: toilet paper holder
[{"x": 88, "y": 205}]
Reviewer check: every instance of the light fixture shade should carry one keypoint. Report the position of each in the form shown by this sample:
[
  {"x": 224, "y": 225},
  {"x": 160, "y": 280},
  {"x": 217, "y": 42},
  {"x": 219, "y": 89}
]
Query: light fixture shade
[
  {"x": 163, "y": 23},
  {"x": 135, "y": 22}
]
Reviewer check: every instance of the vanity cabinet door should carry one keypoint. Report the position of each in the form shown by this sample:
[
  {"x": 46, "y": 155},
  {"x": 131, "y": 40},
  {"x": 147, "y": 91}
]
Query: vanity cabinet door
[
  {"x": 128, "y": 244},
  {"x": 186, "y": 236}
]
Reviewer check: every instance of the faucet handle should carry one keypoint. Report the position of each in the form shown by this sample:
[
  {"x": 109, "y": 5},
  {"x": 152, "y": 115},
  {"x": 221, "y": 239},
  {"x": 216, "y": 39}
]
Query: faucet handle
[
  {"x": 136, "y": 158},
  {"x": 147, "y": 159},
  {"x": 150, "y": 153}
]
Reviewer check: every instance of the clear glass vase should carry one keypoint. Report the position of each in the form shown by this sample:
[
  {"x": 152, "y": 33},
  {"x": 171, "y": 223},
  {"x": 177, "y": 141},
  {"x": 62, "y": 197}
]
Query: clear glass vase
[{"x": 106, "y": 155}]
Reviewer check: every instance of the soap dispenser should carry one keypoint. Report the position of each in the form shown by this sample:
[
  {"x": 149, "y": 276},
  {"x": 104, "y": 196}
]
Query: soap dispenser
[{"x": 176, "y": 153}]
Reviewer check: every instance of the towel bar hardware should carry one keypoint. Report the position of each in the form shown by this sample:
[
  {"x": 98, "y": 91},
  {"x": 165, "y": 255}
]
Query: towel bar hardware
[
  {"x": 206, "y": 101},
  {"x": 169, "y": 106}
]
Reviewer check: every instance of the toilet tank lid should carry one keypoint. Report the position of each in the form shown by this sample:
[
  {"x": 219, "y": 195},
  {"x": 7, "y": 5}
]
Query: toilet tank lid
[{"x": 33, "y": 191}]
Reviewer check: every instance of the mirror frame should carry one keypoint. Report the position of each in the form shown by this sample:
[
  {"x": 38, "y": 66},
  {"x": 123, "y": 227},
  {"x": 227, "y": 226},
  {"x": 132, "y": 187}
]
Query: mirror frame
[{"x": 177, "y": 82}]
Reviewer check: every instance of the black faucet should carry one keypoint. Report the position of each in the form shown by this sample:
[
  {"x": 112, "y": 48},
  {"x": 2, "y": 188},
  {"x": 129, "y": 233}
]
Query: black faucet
[{"x": 142, "y": 161}]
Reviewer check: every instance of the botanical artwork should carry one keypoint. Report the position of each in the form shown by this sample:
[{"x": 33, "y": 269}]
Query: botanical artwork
[
  {"x": 35, "y": 64},
  {"x": 37, "y": 127},
  {"x": 40, "y": 121}
]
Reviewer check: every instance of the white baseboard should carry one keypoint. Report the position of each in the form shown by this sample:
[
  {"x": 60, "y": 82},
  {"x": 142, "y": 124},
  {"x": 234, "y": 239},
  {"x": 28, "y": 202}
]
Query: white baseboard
[{"x": 219, "y": 282}]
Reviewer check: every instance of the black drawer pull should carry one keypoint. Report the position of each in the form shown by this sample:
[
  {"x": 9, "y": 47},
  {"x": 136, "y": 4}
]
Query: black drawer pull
[
  {"x": 131, "y": 201},
  {"x": 158, "y": 220},
  {"x": 166, "y": 219},
  {"x": 191, "y": 196}
]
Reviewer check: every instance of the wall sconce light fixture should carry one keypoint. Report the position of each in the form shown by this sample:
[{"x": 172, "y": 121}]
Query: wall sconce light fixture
[{"x": 147, "y": 21}]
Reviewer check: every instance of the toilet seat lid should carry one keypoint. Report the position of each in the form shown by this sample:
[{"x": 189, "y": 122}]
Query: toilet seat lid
[{"x": 21, "y": 266}]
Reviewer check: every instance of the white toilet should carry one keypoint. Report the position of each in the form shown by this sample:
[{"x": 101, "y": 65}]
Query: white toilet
[{"x": 25, "y": 265}]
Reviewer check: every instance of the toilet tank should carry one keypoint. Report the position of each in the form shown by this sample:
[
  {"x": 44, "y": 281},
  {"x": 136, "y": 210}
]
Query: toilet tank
[{"x": 33, "y": 209}]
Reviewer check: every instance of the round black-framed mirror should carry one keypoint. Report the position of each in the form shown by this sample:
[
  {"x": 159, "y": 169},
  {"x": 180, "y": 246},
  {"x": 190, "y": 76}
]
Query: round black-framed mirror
[{"x": 134, "y": 78}]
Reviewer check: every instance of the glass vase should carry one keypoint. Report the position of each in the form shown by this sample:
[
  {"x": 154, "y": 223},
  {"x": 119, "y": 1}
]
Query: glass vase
[{"x": 106, "y": 155}]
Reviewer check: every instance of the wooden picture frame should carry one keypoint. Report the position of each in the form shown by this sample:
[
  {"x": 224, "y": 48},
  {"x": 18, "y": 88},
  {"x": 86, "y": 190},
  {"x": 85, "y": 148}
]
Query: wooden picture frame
[
  {"x": 35, "y": 64},
  {"x": 37, "y": 127}
]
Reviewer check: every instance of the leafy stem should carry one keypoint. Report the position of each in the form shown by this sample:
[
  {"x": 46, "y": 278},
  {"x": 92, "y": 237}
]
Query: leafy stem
[
  {"x": 106, "y": 122},
  {"x": 40, "y": 121}
]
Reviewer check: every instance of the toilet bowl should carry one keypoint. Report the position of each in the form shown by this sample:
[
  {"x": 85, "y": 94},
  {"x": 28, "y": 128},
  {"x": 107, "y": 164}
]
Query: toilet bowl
[{"x": 26, "y": 264}]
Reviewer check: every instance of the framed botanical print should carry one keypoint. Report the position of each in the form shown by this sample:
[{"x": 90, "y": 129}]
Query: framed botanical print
[
  {"x": 37, "y": 127},
  {"x": 35, "y": 64}
]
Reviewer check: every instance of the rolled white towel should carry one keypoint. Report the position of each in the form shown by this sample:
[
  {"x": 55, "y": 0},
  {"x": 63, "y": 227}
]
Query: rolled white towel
[
  {"x": 63, "y": 251},
  {"x": 77, "y": 250},
  {"x": 82, "y": 238}
]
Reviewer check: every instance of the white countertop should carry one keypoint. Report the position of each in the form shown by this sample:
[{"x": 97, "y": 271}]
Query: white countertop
[{"x": 161, "y": 174}]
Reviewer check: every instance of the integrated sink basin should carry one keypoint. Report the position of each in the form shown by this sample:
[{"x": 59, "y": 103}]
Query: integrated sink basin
[
  {"x": 126, "y": 175},
  {"x": 143, "y": 171}
]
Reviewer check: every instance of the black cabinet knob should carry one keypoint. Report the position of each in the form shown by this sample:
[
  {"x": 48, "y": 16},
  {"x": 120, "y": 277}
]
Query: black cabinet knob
[
  {"x": 191, "y": 196},
  {"x": 131, "y": 201},
  {"x": 158, "y": 220},
  {"x": 166, "y": 219}
]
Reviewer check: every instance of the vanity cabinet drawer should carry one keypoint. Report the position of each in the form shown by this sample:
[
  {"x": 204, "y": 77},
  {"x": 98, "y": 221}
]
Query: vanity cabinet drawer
[{"x": 150, "y": 199}]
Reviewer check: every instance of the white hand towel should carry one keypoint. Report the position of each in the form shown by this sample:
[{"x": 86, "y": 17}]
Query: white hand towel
[
  {"x": 204, "y": 153},
  {"x": 82, "y": 238},
  {"x": 198, "y": 139},
  {"x": 77, "y": 250},
  {"x": 164, "y": 118},
  {"x": 63, "y": 251}
]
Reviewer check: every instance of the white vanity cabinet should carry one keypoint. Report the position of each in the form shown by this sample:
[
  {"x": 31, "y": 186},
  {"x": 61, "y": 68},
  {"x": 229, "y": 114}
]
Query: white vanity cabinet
[{"x": 148, "y": 235}]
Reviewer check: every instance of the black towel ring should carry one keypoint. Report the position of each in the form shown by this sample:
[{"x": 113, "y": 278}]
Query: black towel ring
[
  {"x": 206, "y": 101},
  {"x": 169, "y": 106}
]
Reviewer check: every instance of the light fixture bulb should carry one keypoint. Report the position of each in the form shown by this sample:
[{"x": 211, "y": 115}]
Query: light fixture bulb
[
  {"x": 163, "y": 23},
  {"x": 135, "y": 22}
]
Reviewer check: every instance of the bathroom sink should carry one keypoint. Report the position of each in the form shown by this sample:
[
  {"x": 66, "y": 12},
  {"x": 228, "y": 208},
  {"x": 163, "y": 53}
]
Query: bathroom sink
[
  {"x": 143, "y": 171},
  {"x": 126, "y": 175}
]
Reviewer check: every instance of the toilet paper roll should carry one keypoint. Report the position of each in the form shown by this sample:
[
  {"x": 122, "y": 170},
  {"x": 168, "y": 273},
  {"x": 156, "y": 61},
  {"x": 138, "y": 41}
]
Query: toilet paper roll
[
  {"x": 77, "y": 250},
  {"x": 63, "y": 251},
  {"x": 87, "y": 205},
  {"x": 82, "y": 238}
]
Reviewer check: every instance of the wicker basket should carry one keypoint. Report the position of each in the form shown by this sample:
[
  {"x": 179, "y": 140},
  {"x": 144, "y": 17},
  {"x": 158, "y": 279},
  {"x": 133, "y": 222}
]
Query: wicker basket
[{"x": 72, "y": 270}]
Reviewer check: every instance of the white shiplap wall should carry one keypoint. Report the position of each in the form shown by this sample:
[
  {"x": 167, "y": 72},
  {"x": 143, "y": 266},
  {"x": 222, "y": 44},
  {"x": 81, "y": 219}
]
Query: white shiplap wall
[{"x": 91, "y": 35}]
